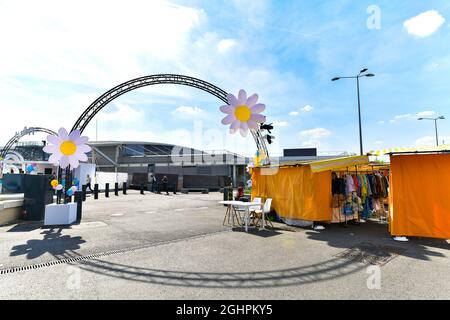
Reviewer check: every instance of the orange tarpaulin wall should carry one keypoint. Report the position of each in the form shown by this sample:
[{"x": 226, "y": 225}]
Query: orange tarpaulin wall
[
  {"x": 420, "y": 195},
  {"x": 296, "y": 192}
]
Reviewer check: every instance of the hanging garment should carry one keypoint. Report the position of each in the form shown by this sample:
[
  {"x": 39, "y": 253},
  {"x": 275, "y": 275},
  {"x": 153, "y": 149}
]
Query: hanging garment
[
  {"x": 349, "y": 184},
  {"x": 335, "y": 188}
]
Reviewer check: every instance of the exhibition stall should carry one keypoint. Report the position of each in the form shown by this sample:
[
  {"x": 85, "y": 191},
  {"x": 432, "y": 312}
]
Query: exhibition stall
[
  {"x": 414, "y": 190},
  {"x": 303, "y": 190},
  {"x": 420, "y": 194}
]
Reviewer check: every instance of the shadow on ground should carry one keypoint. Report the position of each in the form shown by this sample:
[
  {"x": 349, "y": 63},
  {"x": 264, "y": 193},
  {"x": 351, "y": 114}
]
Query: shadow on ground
[
  {"x": 327, "y": 270},
  {"x": 377, "y": 234},
  {"x": 53, "y": 243}
]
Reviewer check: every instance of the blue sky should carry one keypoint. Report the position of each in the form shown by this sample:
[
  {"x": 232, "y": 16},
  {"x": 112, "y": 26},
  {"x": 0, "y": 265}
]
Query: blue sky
[{"x": 56, "y": 59}]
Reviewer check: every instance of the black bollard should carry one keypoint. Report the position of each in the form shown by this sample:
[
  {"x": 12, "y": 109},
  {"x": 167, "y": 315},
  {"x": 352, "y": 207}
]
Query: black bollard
[
  {"x": 58, "y": 196},
  {"x": 96, "y": 191},
  {"x": 106, "y": 190},
  {"x": 83, "y": 188},
  {"x": 116, "y": 189},
  {"x": 79, "y": 200},
  {"x": 124, "y": 188},
  {"x": 142, "y": 188}
]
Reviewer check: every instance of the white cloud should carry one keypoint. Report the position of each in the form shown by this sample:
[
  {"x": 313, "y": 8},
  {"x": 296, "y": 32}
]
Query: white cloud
[
  {"x": 315, "y": 133},
  {"x": 122, "y": 112},
  {"x": 403, "y": 116},
  {"x": 50, "y": 42},
  {"x": 190, "y": 111},
  {"x": 312, "y": 143},
  {"x": 409, "y": 116},
  {"x": 431, "y": 66},
  {"x": 280, "y": 124},
  {"x": 225, "y": 45},
  {"x": 381, "y": 122},
  {"x": 431, "y": 140},
  {"x": 424, "y": 24},
  {"x": 307, "y": 108},
  {"x": 426, "y": 113}
]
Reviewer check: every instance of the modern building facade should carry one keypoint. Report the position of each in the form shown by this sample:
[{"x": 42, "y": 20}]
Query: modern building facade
[{"x": 185, "y": 168}]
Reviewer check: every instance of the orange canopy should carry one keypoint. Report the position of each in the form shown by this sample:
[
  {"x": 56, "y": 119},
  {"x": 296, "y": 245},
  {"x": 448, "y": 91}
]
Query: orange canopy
[
  {"x": 296, "y": 192},
  {"x": 420, "y": 195}
]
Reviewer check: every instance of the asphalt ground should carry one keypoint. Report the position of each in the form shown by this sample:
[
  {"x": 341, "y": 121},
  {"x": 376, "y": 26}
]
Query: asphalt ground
[{"x": 175, "y": 247}]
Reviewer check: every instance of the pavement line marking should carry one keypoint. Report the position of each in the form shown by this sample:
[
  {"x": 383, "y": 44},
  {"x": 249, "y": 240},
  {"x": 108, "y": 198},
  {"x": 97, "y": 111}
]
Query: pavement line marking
[
  {"x": 117, "y": 214},
  {"x": 149, "y": 211},
  {"x": 202, "y": 208},
  {"x": 105, "y": 253},
  {"x": 179, "y": 209}
]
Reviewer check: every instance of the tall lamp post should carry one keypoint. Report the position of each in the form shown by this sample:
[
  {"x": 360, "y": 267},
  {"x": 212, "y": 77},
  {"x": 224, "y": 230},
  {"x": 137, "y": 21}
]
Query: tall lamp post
[
  {"x": 362, "y": 73},
  {"x": 435, "y": 125}
]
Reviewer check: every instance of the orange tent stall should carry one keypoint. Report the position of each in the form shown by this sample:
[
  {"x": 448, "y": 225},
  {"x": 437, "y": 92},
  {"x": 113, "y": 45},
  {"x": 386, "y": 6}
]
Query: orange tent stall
[
  {"x": 301, "y": 190},
  {"x": 420, "y": 195}
]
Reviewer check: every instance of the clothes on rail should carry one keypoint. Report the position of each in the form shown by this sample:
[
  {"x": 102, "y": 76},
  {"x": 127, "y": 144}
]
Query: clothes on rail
[{"x": 358, "y": 195}]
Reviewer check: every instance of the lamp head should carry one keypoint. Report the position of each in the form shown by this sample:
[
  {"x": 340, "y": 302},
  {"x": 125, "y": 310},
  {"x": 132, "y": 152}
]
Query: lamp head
[
  {"x": 370, "y": 75},
  {"x": 334, "y": 79},
  {"x": 419, "y": 118},
  {"x": 363, "y": 70},
  {"x": 441, "y": 117}
]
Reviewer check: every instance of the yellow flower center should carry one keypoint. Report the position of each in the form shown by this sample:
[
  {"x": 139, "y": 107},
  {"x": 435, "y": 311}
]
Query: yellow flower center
[
  {"x": 68, "y": 148},
  {"x": 242, "y": 113}
]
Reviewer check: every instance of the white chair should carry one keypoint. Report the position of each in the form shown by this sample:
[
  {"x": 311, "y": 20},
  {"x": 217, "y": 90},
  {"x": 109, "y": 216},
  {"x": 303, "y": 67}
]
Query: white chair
[
  {"x": 250, "y": 209},
  {"x": 264, "y": 211}
]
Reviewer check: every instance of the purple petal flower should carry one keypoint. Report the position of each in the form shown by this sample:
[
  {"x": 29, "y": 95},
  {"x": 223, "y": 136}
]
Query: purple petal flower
[
  {"x": 242, "y": 97},
  {"x": 258, "y": 108},
  {"x": 251, "y": 101},
  {"x": 243, "y": 112}
]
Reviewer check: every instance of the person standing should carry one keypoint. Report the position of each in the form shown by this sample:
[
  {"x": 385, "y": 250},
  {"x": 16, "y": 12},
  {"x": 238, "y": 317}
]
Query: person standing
[
  {"x": 153, "y": 183},
  {"x": 88, "y": 182},
  {"x": 164, "y": 184}
]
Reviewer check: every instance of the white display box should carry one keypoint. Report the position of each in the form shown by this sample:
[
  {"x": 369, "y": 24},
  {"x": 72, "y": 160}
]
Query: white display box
[{"x": 60, "y": 214}]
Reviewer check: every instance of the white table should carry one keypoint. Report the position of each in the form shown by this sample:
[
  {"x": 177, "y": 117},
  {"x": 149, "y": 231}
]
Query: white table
[{"x": 246, "y": 206}]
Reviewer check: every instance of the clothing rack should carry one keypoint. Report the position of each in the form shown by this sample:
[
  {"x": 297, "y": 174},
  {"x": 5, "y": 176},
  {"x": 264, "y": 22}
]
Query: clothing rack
[{"x": 379, "y": 201}]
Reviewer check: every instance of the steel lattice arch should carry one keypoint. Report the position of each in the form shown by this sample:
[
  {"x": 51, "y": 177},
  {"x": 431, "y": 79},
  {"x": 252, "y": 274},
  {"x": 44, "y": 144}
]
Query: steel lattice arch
[
  {"x": 133, "y": 84},
  {"x": 19, "y": 135}
]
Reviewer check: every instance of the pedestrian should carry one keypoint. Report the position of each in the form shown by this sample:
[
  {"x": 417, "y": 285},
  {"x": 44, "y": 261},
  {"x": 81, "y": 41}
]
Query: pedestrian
[
  {"x": 88, "y": 182},
  {"x": 153, "y": 183},
  {"x": 164, "y": 184}
]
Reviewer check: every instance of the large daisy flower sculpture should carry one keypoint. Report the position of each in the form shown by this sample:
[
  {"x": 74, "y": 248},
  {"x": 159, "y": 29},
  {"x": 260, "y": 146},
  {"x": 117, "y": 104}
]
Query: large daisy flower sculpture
[
  {"x": 243, "y": 112},
  {"x": 67, "y": 149}
]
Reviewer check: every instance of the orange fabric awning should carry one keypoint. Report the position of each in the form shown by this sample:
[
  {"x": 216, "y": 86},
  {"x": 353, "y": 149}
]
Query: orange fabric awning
[
  {"x": 420, "y": 195},
  {"x": 296, "y": 192}
]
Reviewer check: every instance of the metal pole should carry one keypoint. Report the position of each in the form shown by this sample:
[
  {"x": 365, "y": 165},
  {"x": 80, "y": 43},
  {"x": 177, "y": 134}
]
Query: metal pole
[
  {"x": 359, "y": 117},
  {"x": 435, "y": 128}
]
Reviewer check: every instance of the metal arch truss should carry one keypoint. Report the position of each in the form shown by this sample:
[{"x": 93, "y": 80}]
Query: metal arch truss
[
  {"x": 133, "y": 84},
  {"x": 19, "y": 135}
]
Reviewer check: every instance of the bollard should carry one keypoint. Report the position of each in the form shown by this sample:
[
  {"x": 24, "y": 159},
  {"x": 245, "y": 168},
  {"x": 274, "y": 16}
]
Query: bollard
[
  {"x": 96, "y": 191},
  {"x": 124, "y": 188},
  {"x": 83, "y": 188},
  {"x": 142, "y": 188},
  {"x": 116, "y": 189},
  {"x": 106, "y": 190},
  {"x": 58, "y": 196},
  {"x": 79, "y": 200}
]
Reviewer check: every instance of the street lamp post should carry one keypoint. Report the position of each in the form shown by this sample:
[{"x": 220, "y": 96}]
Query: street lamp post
[
  {"x": 362, "y": 73},
  {"x": 435, "y": 125}
]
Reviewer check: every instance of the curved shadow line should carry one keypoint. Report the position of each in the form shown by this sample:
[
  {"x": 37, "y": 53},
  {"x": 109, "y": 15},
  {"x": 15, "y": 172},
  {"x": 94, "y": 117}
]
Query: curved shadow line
[{"x": 327, "y": 270}]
